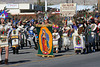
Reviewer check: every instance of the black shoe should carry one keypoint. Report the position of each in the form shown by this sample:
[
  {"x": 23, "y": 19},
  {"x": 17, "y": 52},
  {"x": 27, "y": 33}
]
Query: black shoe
[
  {"x": 65, "y": 49},
  {"x": 35, "y": 48},
  {"x": 30, "y": 46},
  {"x": 6, "y": 61},
  {"x": 17, "y": 51},
  {"x": 13, "y": 51},
  {"x": 0, "y": 62}
]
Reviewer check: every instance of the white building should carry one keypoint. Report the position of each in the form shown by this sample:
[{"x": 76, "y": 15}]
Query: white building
[{"x": 22, "y": 8}]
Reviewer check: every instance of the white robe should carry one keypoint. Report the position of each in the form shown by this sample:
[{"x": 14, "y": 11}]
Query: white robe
[
  {"x": 15, "y": 41},
  {"x": 81, "y": 41},
  {"x": 66, "y": 41},
  {"x": 55, "y": 39},
  {"x": 4, "y": 43}
]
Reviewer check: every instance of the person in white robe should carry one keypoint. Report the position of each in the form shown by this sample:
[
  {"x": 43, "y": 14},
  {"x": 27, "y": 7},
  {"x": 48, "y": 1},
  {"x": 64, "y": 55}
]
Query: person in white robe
[{"x": 56, "y": 36}]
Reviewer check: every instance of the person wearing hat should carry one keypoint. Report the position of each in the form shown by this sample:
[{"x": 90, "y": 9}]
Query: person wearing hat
[
  {"x": 46, "y": 20},
  {"x": 66, "y": 41},
  {"x": 25, "y": 26},
  {"x": 20, "y": 28},
  {"x": 31, "y": 35},
  {"x": 4, "y": 38},
  {"x": 78, "y": 41},
  {"x": 97, "y": 22},
  {"x": 56, "y": 36},
  {"x": 14, "y": 32},
  {"x": 94, "y": 33},
  {"x": 90, "y": 38}
]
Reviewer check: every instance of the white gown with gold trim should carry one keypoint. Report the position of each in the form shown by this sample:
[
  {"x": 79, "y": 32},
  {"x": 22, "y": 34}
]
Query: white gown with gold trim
[{"x": 3, "y": 36}]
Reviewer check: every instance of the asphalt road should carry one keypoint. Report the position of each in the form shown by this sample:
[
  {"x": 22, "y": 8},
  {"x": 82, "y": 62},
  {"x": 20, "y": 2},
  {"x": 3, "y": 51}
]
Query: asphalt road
[{"x": 27, "y": 58}]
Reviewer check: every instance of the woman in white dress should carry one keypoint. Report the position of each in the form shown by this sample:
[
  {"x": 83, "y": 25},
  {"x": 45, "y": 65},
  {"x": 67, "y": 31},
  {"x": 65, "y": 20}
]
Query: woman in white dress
[
  {"x": 66, "y": 40},
  {"x": 4, "y": 40},
  {"x": 55, "y": 39}
]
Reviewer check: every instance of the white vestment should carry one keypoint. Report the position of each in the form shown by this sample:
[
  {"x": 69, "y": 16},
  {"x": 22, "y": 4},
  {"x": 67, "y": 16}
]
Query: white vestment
[
  {"x": 3, "y": 36},
  {"x": 55, "y": 39}
]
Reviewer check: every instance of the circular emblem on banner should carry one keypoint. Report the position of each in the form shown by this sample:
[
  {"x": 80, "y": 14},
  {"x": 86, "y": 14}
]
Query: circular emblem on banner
[
  {"x": 45, "y": 40},
  {"x": 78, "y": 40}
]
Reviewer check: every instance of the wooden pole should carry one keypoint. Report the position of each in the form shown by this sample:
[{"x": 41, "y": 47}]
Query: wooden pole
[
  {"x": 98, "y": 4},
  {"x": 84, "y": 2},
  {"x": 72, "y": 1}
]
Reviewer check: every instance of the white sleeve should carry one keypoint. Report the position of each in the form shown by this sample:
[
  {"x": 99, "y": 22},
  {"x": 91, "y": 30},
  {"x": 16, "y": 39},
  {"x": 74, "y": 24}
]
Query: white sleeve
[
  {"x": 6, "y": 27},
  {"x": 58, "y": 36},
  {"x": 1, "y": 27},
  {"x": 52, "y": 36},
  {"x": 68, "y": 28},
  {"x": 63, "y": 28},
  {"x": 9, "y": 32}
]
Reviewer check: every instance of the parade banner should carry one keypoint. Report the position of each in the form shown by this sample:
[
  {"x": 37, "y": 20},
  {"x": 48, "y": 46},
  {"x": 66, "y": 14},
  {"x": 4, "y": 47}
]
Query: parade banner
[
  {"x": 78, "y": 42},
  {"x": 45, "y": 46},
  {"x": 68, "y": 9}
]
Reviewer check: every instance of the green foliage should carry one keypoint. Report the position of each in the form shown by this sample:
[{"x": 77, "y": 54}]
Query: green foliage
[{"x": 56, "y": 19}]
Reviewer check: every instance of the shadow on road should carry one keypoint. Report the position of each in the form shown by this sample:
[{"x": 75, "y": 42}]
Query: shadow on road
[
  {"x": 24, "y": 53},
  {"x": 59, "y": 55},
  {"x": 16, "y": 62},
  {"x": 63, "y": 51}
]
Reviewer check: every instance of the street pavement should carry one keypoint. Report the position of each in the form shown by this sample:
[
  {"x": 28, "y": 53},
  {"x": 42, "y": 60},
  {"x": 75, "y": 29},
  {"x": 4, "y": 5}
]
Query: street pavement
[{"x": 27, "y": 58}]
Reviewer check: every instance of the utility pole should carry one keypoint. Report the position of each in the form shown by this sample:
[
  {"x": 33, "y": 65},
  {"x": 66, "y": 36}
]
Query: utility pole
[
  {"x": 99, "y": 5},
  {"x": 72, "y": 1},
  {"x": 45, "y": 5},
  {"x": 84, "y": 2},
  {"x": 66, "y": 1}
]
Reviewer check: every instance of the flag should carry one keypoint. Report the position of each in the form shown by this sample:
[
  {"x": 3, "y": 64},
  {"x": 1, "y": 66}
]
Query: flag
[
  {"x": 91, "y": 17},
  {"x": 85, "y": 15}
]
